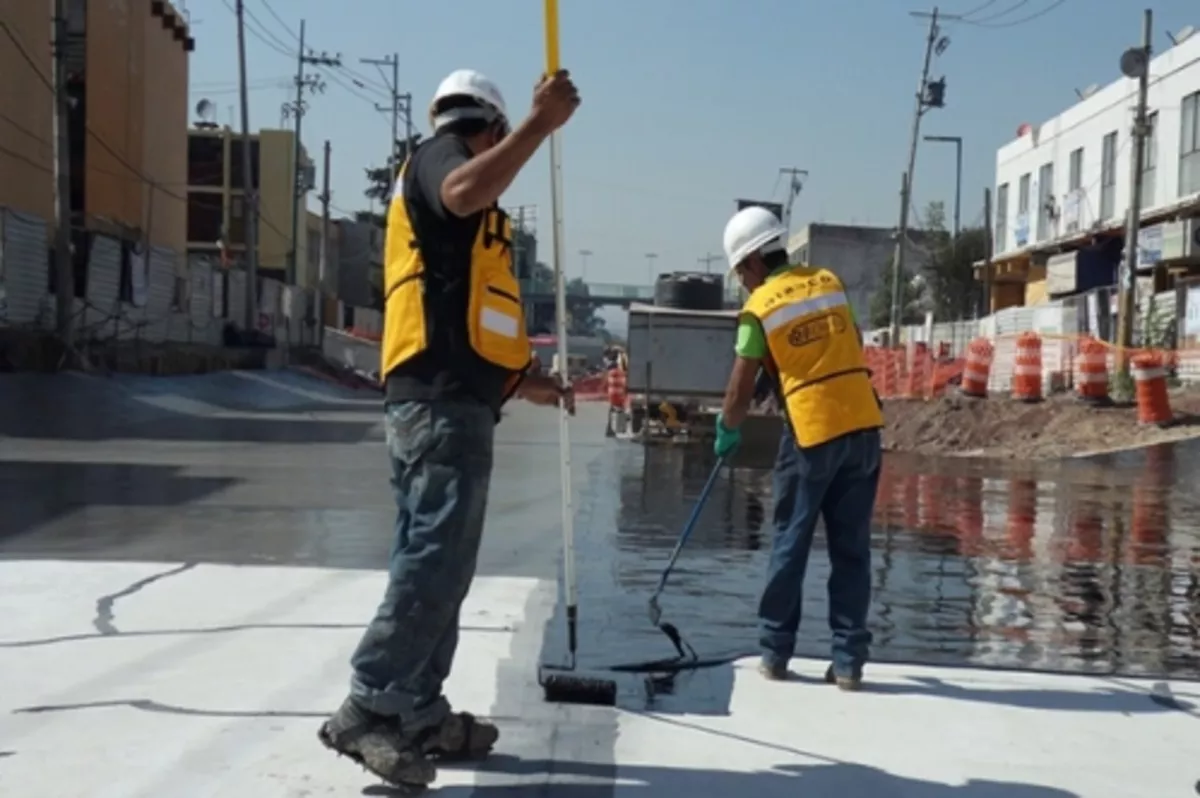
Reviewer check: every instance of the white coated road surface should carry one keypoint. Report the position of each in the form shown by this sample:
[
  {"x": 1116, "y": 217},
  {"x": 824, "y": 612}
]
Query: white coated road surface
[{"x": 211, "y": 681}]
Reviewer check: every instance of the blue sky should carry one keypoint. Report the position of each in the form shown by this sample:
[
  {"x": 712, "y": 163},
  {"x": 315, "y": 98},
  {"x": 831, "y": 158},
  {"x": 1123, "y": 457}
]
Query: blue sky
[{"x": 689, "y": 104}]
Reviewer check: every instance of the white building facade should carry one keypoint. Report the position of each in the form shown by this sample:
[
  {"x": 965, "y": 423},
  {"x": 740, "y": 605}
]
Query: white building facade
[{"x": 1066, "y": 184}]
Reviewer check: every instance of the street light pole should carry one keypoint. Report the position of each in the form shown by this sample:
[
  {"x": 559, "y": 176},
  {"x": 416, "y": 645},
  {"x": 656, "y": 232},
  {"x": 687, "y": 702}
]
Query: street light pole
[
  {"x": 958, "y": 145},
  {"x": 585, "y": 254},
  {"x": 650, "y": 258}
]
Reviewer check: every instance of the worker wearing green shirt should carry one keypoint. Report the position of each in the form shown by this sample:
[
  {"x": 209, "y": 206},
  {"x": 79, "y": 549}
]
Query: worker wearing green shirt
[{"x": 797, "y": 326}]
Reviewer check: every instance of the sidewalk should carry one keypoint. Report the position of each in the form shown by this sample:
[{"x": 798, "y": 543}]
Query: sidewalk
[{"x": 126, "y": 679}]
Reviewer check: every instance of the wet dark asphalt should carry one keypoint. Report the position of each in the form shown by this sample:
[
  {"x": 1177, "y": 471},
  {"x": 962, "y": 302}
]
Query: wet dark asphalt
[
  {"x": 221, "y": 469},
  {"x": 1089, "y": 566}
]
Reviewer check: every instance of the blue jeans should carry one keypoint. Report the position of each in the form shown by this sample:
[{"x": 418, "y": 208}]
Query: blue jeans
[
  {"x": 441, "y": 457},
  {"x": 837, "y": 482}
]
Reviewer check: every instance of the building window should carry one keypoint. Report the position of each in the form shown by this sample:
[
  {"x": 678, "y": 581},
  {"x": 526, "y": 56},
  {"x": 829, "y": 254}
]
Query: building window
[
  {"x": 1075, "y": 170},
  {"x": 1108, "y": 177},
  {"x": 1047, "y": 211},
  {"x": 1023, "y": 194},
  {"x": 1189, "y": 145},
  {"x": 206, "y": 161},
  {"x": 204, "y": 217},
  {"x": 1000, "y": 243},
  {"x": 1150, "y": 161},
  {"x": 236, "y": 180}
]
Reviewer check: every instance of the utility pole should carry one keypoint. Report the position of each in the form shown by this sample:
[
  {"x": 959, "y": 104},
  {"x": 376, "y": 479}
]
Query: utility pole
[
  {"x": 794, "y": 186},
  {"x": 323, "y": 262},
  {"x": 707, "y": 260},
  {"x": 400, "y": 104},
  {"x": 930, "y": 94},
  {"x": 249, "y": 186},
  {"x": 313, "y": 84},
  {"x": 988, "y": 225},
  {"x": 1135, "y": 63},
  {"x": 64, "y": 274}
]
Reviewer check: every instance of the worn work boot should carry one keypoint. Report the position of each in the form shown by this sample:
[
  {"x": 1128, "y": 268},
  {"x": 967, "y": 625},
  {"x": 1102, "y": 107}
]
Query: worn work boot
[
  {"x": 460, "y": 737},
  {"x": 376, "y": 743},
  {"x": 850, "y": 684},
  {"x": 773, "y": 671}
]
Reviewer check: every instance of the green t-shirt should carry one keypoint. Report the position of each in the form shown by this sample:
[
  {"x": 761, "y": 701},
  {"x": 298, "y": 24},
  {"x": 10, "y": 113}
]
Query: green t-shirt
[{"x": 751, "y": 341}]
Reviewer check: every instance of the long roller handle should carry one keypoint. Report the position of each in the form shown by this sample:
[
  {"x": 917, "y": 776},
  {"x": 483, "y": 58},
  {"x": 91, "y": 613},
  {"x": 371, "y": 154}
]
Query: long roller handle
[
  {"x": 550, "y": 13},
  {"x": 690, "y": 526}
]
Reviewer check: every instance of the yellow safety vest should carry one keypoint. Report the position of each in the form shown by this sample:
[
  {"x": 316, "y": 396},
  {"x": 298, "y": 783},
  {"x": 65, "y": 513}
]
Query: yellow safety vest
[
  {"x": 495, "y": 316},
  {"x": 815, "y": 354}
]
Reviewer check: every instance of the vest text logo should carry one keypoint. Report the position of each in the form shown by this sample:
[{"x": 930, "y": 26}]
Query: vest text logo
[{"x": 816, "y": 329}]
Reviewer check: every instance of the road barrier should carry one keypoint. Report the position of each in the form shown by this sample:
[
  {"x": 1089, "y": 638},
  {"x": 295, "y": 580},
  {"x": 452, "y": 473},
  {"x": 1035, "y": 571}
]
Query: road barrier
[{"x": 1027, "y": 367}]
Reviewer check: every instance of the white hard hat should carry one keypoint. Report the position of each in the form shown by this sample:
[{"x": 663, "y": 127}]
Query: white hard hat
[
  {"x": 466, "y": 83},
  {"x": 752, "y": 230}
]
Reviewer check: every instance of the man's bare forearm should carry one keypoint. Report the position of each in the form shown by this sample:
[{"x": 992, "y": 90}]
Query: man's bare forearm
[{"x": 479, "y": 182}]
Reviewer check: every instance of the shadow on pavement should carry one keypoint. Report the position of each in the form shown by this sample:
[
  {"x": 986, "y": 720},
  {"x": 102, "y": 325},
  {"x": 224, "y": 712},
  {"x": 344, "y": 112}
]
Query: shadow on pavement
[
  {"x": 83, "y": 408},
  {"x": 836, "y": 778},
  {"x": 35, "y": 493}
]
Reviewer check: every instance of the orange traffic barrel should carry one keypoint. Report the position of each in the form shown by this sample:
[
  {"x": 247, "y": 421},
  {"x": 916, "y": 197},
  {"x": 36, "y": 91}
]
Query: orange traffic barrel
[
  {"x": 978, "y": 367},
  {"x": 1027, "y": 368},
  {"x": 1150, "y": 379}
]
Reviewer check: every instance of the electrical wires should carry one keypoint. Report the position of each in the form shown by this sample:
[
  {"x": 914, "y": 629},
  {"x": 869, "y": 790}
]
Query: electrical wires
[{"x": 1000, "y": 18}]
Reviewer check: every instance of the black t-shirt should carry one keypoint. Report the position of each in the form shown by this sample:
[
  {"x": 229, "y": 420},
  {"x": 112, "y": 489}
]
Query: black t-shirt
[{"x": 449, "y": 368}]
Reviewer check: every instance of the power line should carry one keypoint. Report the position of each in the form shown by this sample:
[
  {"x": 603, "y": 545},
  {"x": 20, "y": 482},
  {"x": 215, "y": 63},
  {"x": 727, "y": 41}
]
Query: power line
[
  {"x": 1013, "y": 23},
  {"x": 984, "y": 6},
  {"x": 1002, "y": 13}
]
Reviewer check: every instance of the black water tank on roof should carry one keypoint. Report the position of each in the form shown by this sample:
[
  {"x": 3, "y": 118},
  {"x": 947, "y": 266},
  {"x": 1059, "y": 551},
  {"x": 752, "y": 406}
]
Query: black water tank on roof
[{"x": 690, "y": 291}]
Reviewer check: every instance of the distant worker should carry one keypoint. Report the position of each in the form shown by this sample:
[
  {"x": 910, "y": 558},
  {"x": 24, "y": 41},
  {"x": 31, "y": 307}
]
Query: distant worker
[
  {"x": 617, "y": 384},
  {"x": 454, "y": 350},
  {"x": 798, "y": 325}
]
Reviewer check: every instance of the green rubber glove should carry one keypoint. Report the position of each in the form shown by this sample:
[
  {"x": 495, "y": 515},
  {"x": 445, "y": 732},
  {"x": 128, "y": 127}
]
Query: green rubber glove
[{"x": 727, "y": 440}]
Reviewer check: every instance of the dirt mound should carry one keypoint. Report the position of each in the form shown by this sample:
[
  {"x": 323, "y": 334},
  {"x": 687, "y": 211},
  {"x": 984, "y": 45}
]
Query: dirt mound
[{"x": 1060, "y": 426}]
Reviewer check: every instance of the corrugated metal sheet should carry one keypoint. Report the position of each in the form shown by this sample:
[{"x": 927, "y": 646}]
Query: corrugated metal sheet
[
  {"x": 159, "y": 313},
  {"x": 103, "y": 317},
  {"x": 26, "y": 263}
]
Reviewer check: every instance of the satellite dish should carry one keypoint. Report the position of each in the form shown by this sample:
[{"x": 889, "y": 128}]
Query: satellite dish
[
  {"x": 1134, "y": 62},
  {"x": 1182, "y": 35},
  {"x": 205, "y": 110},
  {"x": 1090, "y": 90}
]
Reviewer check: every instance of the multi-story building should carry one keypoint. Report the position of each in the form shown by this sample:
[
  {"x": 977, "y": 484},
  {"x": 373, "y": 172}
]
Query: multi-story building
[
  {"x": 1063, "y": 188},
  {"x": 860, "y": 255},
  {"x": 216, "y": 209},
  {"x": 360, "y": 263},
  {"x": 127, "y": 65}
]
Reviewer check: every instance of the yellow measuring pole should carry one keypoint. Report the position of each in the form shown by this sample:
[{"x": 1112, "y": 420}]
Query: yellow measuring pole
[{"x": 551, "y": 15}]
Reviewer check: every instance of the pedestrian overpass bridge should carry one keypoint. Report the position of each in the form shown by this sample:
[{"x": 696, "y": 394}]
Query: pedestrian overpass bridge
[
  {"x": 598, "y": 293},
  {"x": 620, "y": 294}
]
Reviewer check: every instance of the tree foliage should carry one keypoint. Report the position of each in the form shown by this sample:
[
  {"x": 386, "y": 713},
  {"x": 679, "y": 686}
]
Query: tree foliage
[
  {"x": 946, "y": 286},
  {"x": 952, "y": 292},
  {"x": 379, "y": 178},
  {"x": 910, "y": 300}
]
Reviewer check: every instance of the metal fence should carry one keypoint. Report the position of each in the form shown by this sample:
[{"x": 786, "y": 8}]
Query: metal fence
[{"x": 128, "y": 293}]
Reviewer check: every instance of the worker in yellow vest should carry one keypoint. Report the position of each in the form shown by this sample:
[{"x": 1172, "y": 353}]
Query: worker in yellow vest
[
  {"x": 797, "y": 325},
  {"x": 454, "y": 350}
]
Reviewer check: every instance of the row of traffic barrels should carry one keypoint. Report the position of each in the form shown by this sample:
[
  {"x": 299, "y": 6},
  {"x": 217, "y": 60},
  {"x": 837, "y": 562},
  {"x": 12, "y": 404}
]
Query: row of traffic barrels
[{"x": 1149, "y": 370}]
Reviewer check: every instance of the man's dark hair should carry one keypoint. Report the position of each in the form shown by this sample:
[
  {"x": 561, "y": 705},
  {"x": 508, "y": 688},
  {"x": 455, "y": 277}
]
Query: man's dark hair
[
  {"x": 776, "y": 259},
  {"x": 462, "y": 127}
]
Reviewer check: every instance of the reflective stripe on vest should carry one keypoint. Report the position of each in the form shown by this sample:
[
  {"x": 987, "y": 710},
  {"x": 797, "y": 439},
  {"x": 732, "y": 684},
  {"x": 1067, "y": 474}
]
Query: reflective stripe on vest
[
  {"x": 815, "y": 354},
  {"x": 495, "y": 321}
]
